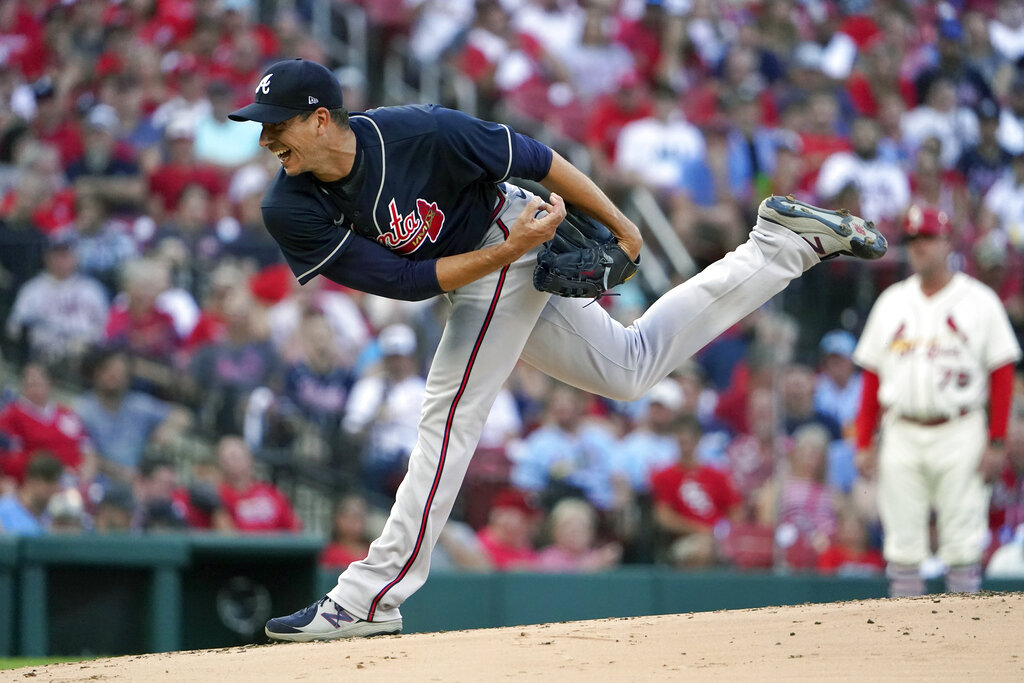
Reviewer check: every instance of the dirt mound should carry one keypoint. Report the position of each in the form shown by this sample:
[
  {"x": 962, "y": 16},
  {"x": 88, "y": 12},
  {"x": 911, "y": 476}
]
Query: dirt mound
[{"x": 934, "y": 637}]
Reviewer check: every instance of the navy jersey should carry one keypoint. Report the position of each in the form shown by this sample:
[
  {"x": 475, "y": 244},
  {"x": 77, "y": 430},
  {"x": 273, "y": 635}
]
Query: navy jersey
[{"x": 427, "y": 186}]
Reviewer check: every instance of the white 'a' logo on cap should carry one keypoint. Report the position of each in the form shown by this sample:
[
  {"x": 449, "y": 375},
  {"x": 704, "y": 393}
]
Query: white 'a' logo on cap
[{"x": 265, "y": 84}]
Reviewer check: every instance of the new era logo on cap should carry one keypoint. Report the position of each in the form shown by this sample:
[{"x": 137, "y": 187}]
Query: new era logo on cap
[{"x": 289, "y": 88}]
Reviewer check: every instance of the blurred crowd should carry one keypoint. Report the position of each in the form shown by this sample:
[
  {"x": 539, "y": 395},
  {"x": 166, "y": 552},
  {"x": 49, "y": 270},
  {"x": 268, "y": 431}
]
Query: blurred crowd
[{"x": 163, "y": 371}]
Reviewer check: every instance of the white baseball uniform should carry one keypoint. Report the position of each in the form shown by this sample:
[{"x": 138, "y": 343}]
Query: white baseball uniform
[
  {"x": 933, "y": 356},
  {"x": 501, "y": 318}
]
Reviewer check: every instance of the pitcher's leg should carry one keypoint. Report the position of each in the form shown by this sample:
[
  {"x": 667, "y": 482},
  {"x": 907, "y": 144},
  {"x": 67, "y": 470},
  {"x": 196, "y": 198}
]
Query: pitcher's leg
[
  {"x": 488, "y": 326},
  {"x": 582, "y": 345}
]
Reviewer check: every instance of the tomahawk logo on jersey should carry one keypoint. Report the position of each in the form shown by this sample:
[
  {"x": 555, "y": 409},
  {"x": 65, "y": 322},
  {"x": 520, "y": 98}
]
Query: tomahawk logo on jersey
[{"x": 408, "y": 232}]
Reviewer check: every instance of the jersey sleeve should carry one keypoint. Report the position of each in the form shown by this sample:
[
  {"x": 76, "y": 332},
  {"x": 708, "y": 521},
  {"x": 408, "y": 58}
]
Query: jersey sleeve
[
  {"x": 307, "y": 240},
  {"x": 1002, "y": 346},
  {"x": 368, "y": 267},
  {"x": 493, "y": 150}
]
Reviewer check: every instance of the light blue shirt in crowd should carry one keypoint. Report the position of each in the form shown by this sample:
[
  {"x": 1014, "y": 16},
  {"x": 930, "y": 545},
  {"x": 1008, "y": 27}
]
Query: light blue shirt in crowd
[
  {"x": 121, "y": 436},
  {"x": 16, "y": 520},
  {"x": 584, "y": 460}
]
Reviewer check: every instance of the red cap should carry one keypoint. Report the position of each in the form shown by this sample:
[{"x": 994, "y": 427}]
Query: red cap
[
  {"x": 515, "y": 499},
  {"x": 925, "y": 221}
]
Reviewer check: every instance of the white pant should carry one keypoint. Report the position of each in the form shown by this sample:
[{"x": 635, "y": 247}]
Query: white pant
[
  {"x": 500, "y": 318},
  {"x": 921, "y": 468}
]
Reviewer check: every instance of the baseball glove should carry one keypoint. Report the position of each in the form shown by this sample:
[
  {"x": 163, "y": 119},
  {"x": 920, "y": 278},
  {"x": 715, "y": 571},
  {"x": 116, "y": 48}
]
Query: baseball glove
[{"x": 582, "y": 260}]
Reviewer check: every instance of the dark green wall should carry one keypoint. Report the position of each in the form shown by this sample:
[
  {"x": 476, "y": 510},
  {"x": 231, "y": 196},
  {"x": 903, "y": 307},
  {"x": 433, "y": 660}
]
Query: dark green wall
[{"x": 159, "y": 593}]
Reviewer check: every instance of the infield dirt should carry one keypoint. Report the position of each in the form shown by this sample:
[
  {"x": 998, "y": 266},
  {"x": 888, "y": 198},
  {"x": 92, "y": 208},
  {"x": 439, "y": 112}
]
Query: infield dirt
[{"x": 939, "y": 637}]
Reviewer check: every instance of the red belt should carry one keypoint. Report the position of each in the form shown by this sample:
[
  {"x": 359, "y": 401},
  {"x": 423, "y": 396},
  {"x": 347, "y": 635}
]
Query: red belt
[{"x": 934, "y": 421}]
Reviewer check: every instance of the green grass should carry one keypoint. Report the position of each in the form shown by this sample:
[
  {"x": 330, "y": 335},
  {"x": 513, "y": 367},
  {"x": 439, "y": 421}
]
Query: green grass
[{"x": 17, "y": 662}]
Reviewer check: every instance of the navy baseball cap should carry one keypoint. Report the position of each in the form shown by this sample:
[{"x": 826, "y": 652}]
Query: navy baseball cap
[{"x": 289, "y": 88}]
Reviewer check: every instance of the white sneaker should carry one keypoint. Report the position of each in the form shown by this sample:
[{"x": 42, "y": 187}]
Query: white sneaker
[
  {"x": 830, "y": 233},
  {"x": 327, "y": 620}
]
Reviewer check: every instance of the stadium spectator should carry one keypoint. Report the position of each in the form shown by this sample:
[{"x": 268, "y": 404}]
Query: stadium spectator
[
  {"x": 838, "y": 383},
  {"x": 23, "y": 512},
  {"x": 225, "y": 372},
  {"x": 1003, "y": 206},
  {"x": 383, "y": 411},
  {"x": 598, "y": 64},
  {"x": 51, "y": 121},
  {"x": 136, "y": 323},
  {"x": 568, "y": 455},
  {"x": 657, "y": 151},
  {"x": 1006, "y": 30},
  {"x": 168, "y": 181},
  {"x": 750, "y": 457},
  {"x": 850, "y": 553},
  {"x": 349, "y": 540},
  {"x": 40, "y": 196},
  {"x": 878, "y": 72},
  {"x": 436, "y": 27},
  {"x": 223, "y": 143},
  {"x": 34, "y": 423},
  {"x": 311, "y": 402},
  {"x": 943, "y": 189},
  {"x": 61, "y": 312},
  {"x": 800, "y": 409},
  {"x": 882, "y": 184},
  {"x": 107, "y": 170},
  {"x": 642, "y": 36},
  {"x": 820, "y": 135},
  {"x": 187, "y": 241},
  {"x": 942, "y": 118},
  {"x": 124, "y": 93},
  {"x": 573, "y": 547},
  {"x": 347, "y": 320},
  {"x": 1006, "y": 510},
  {"x": 983, "y": 163},
  {"x": 652, "y": 445},
  {"x": 628, "y": 102},
  {"x": 120, "y": 422},
  {"x": 798, "y": 406},
  {"x": 254, "y": 506},
  {"x": 798, "y": 503},
  {"x": 690, "y": 499},
  {"x": 507, "y": 540},
  {"x": 162, "y": 503},
  {"x": 103, "y": 244},
  {"x": 1011, "y": 119},
  {"x": 951, "y": 63},
  {"x": 115, "y": 509},
  {"x": 242, "y": 235}
]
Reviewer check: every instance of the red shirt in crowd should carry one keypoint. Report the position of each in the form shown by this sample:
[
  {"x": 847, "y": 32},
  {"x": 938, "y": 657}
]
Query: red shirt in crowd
[
  {"x": 702, "y": 494},
  {"x": 504, "y": 556},
  {"x": 838, "y": 559},
  {"x": 337, "y": 555},
  {"x": 260, "y": 508},
  {"x": 151, "y": 335},
  {"x": 29, "y": 428},
  {"x": 168, "y": 182},
  {"x": 607, "y": 121}
]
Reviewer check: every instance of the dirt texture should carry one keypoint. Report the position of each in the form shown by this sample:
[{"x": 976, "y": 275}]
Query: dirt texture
[{"x": 941, "y": 637}]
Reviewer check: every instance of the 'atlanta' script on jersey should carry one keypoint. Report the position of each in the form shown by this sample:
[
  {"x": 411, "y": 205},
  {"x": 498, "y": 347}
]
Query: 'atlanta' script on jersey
[{"x": 409, "y": 231}]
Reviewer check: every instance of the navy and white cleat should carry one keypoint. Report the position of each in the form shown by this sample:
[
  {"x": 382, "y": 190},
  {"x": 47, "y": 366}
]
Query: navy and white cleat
[
  {"x": 327, "y": 620},
  {"x": 830, "y": 233}
]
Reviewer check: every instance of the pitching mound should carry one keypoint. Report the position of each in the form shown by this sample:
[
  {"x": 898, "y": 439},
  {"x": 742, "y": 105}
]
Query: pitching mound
[{"x": 934, "y": 637}]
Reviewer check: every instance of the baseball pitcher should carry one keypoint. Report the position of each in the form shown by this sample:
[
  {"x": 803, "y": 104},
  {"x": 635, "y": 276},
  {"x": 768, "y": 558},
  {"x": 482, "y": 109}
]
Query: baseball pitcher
[{"x": 414, "y": 202}]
